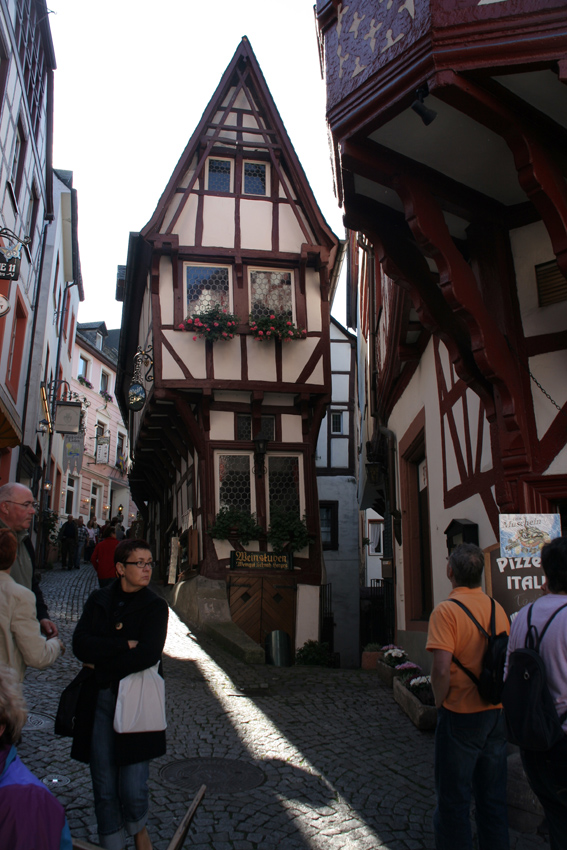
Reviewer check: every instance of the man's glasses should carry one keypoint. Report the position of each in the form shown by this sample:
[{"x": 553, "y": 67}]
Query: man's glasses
[
  {"x": 142, "y": 565},
  {"x": 34, "y": 505}
]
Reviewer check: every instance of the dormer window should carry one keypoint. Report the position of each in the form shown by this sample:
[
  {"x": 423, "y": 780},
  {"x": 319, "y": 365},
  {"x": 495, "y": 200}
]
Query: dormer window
[
  {"x": 99, "y": 341},
  {"x": 207, "y": 286},
  {"x": 255, "y": 178},
  {"x": 219, "y": 175}
]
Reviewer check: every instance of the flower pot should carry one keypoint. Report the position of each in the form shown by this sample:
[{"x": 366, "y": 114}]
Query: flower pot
[
  {"x": 386, "y": 674},
  {"x": 424, "y": 717},
  {"x": 369, "y": 660}
]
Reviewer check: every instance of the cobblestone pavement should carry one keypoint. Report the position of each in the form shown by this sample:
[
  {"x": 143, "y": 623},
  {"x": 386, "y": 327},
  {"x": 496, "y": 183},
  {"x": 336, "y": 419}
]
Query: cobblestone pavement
[{"x": 308, "y": 757}]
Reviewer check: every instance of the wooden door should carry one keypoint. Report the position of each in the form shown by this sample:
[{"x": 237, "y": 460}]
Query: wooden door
[{"x": 263, "y": 604}]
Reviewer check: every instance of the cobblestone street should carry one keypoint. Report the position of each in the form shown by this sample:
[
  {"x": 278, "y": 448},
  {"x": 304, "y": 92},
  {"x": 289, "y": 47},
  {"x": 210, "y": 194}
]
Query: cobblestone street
[{"x": 308, "y": 757}]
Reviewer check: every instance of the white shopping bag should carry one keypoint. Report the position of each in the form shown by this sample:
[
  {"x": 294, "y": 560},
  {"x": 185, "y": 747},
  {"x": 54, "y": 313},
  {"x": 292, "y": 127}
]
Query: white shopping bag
[{"x": 140, "y": 706}]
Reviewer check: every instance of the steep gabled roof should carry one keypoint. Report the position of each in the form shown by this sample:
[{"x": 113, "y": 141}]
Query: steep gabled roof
[{"x": 243, "y": 75}]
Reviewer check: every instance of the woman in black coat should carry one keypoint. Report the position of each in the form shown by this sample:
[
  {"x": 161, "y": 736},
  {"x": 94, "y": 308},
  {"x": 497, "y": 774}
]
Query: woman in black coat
[{"x": 122, "y": 630}]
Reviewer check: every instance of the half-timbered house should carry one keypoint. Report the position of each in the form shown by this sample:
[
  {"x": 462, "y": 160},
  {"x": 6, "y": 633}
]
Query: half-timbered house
[
  {"x": 227, "y": 294},
  {"x": 450, "y": 130}
]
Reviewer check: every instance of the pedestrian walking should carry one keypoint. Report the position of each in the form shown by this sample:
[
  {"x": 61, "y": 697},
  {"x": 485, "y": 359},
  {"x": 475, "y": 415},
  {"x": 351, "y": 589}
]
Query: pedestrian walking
[
  {"x": 92, "y": 531},
  {"x": 68, "y": 537},
  {"x": 122, "y": 630},
  {"x": 30, "y": 816},
  {"x": 17, "y": 509},
  {"x": 102, "y": 558},
  {"x": 470, "y": 740},
  {"x": 547, "y": 770},
  {"x": 21, "y": 641},
  {"x": 82, "y": 539}
]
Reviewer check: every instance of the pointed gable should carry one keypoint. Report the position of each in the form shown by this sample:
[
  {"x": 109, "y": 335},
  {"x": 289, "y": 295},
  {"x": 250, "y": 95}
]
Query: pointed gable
[{"x": 239, "y": 184}]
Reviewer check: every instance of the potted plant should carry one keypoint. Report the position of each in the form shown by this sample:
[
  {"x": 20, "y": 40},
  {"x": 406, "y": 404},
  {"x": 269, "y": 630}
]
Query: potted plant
[
  {"x": 82, "y": 380},
  {"x": 235, "y": 523},
  {"x": 287, "y": 531},
  {"x": 106, "y": 396},
  {"x": 314, "y": 654},
  {"x": 415, "y": 697},
  {"x": 386, "y": 668},
  {"x": 212, "y": 324},
  {"x": 275, "y": 326},
  {"x": 371, "y": 653}
]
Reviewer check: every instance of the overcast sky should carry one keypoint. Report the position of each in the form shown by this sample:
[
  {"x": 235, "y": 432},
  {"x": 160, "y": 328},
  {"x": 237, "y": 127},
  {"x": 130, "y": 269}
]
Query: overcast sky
[{"x": 133, "y": 78}]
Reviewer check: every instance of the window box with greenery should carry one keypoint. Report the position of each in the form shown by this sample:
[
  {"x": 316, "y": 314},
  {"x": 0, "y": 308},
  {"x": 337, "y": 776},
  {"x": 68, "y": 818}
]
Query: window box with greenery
[
  {"x": 82, "y": 380},
  {"x": 288, "y": 531},
  {"x": 212, "y": 324},
  {"x": 236, "y": 524},
  {"x": 275, "y": 326},
  {"x": 106, "y": 396}
]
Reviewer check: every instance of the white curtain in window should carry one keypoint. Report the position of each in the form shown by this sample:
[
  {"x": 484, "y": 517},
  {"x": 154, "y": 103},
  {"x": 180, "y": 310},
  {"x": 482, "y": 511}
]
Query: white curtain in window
[{"x": 375, "y": 534}]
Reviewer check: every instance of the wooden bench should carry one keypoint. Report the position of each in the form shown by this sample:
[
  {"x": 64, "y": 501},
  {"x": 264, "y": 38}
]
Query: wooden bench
[{"x": 178, "y": 839}]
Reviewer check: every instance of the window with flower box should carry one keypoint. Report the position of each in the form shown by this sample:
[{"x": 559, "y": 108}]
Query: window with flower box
[
  {"x": 207, "y": 286},
  {"x": 271, "y": 292}
]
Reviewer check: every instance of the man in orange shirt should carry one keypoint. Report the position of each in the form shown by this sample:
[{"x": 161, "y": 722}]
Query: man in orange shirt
[{"x": 470, "y": 740}]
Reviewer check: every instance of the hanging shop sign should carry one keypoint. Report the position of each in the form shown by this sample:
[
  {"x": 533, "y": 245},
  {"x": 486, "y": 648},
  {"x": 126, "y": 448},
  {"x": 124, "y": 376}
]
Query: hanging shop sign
[
  {"x": 67, "y": 417},
  {"x": 73, "y": 448},
  {"x": 10, "y": 261},
  {"x": 515, "y": 576},
  {"x": 102, "y": 449},
  {"x": 260, "y": 561},
  {"x": 4, "y": 305}
]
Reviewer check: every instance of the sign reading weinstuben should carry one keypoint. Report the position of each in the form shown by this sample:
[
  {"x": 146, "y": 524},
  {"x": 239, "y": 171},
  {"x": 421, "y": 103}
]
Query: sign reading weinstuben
[{"x": 260, "y": 561}]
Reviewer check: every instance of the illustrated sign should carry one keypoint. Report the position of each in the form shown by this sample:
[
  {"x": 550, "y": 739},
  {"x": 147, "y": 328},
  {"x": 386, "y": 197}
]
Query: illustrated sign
[
  {"x": 4, "y": 305},
  {"x": 10, "y": 262},
  {"x": 260, "y": 561},
  {"x": 73, "y": 447},
  {"x": 515, "y": 577},
  {"x": 102, "y": 449}
]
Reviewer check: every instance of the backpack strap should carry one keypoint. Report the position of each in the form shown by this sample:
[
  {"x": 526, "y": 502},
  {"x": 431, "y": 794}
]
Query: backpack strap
[
  {"x": 470, "y": 674},
  {"x": 533, "y": 640}
]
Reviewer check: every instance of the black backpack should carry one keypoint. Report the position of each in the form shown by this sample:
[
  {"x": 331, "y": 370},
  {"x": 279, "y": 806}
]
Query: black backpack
[
  {"x": 491, "y": 678},
  {"x": 531, "y": 715}
]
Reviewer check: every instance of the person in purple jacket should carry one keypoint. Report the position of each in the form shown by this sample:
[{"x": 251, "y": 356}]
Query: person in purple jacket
[{"x": 30, "y": 816}]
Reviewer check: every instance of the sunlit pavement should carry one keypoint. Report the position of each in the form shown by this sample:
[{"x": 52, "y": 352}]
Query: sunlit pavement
[{"x": 293, "y": 758}]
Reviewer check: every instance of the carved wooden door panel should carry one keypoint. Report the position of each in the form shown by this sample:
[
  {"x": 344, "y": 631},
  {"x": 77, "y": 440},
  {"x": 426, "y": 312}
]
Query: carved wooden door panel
[{"x": 261, "y": 604}]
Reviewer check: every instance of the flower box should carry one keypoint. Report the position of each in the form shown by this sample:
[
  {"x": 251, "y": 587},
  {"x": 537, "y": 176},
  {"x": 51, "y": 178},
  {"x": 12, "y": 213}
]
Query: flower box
[
  {"x": 386, "y": 674},
  {"x": 369, "y": 659},
  {"x": 424, "y": 717}
]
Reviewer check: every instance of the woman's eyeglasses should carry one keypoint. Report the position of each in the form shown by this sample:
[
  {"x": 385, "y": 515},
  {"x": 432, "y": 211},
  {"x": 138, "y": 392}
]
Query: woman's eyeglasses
[{"x": 142, "y": 565}]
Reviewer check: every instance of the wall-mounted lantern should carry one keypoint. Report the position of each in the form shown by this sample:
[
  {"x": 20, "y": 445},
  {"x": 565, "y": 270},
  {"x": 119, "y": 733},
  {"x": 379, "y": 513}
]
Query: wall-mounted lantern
[
  {"x": 260, "y": 449},
  {"x": 461, "y": 531}
]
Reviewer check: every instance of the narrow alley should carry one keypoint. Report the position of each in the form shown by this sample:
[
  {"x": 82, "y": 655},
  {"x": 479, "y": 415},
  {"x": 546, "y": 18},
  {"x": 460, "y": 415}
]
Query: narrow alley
[{"x": 293, "y": 758}]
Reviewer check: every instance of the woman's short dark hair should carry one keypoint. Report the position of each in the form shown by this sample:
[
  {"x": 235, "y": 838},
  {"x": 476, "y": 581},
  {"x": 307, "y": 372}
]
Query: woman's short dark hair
[
  {"x": 8, "y": 548},
  {"x": 554, "y": 563},
  {"x": 467, "y": 562},
  {"x": 126, "y": 547}
]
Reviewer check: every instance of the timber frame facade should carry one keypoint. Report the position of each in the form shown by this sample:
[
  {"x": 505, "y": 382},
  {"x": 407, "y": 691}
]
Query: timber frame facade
[
  {"x": 237, "y": 227},
  {"x": 450, "y": 131}
]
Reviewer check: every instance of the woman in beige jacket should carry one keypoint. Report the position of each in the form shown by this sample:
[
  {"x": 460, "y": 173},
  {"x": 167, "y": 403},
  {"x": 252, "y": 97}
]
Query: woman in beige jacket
[{"x": 21, "y": 642}]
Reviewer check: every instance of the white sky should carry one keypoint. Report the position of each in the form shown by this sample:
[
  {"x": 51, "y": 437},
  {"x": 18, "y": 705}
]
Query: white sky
[{"x": 133, "y": 78}]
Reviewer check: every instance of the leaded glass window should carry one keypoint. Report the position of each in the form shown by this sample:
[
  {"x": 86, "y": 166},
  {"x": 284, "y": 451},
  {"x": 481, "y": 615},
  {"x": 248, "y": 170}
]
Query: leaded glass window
[
  {"x": 244, "y": 427},
  {"x": 283, "y": 482},
  {"x": 219, "y": 175},
  {"x": 206, "y": 286},
  {"x": 234, "y": 482},
  {"x": 270, "y": 292},
  {"x": 254, "y": 178}
]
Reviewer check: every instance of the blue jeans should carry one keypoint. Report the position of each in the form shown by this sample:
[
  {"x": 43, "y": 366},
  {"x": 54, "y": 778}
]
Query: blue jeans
[
  {"x": 120, "y": 793},
  {"x": 470, "y": 760},
  {"x": 547, "y": 775}
]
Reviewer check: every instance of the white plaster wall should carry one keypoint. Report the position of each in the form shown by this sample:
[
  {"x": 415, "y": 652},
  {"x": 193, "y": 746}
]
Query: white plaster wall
[
  {"x": 291, "y": 428},
  {"x": 166, "y": 290},
  {"x": 339, "y": 453},
  {"x": 218, "y": 221},
  {"x": 313, "y": 300},
  {"x": 559, "y": 465},
  {"x": 291, "y": 234},
  {"x": 340, "y": 357},
  {"x": 231, "y": 396},
  {"x": 295, "y": 355},
  {"x": 191, "y": 351},
  {"x": 340, "y": 388},
  {"x": 290, "y": 190},
  {"x": 321, "y": 451},
  {"x": 222, "y": 425},
  {"x": 530, "y": 247},
  {"x": 256, "y": 225},
  {"x": 278, "y": 399},
  {"x": 185, "y": 224},
  {"x": 170, "y": 368},
  {"x": 307, "y": 620},
  {"x": 550, "y": 370},
  {"x": 422, "y": 393},
  {"x": 261, "y": 367},
  {"x": 226, "y": 360}
]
